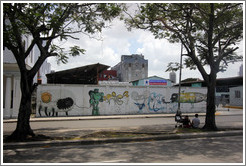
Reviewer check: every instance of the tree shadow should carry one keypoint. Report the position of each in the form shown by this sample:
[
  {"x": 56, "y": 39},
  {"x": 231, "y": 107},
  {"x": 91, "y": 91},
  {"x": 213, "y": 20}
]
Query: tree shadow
[{"x": 169, "y": 151}]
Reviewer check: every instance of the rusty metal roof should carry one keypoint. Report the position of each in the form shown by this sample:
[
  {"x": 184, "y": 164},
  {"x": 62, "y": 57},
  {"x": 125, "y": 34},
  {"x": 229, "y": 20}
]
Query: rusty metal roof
[{"x": 80, "y": 75}]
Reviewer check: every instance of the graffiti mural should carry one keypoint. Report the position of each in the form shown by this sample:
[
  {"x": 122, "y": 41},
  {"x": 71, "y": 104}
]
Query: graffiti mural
[
  {"x": 95, "y": 98},
  {"x": 46, "y": 97},
  {"x": 79, "y": 100},
  {"x": 140, "y": 100},
  {"x": 149, "y": 101},
  {"x": 189, "y": 97},
  {"x": 116, "y": 98},
  {"x": 51, "y": 104},
  {"x": 156, "y": 102},
  {"x": 65, "y": 103}
]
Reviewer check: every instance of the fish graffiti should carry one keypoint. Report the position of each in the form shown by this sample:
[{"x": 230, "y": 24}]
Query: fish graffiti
[
  {"x": 116, "y": 98},
  {"x": 157, "y": 102},
  {"x": 95, "y": 98},
  {"x": 189, "y": 97}
]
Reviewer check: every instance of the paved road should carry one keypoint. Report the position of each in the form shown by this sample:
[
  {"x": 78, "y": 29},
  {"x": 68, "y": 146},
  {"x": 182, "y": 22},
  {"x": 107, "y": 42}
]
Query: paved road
[
  {"x": 202, "y": 150},
  {"x": 221, "y": 121}
]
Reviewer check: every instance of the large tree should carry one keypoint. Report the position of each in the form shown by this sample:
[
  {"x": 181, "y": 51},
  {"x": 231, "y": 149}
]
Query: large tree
[
  {"x": 44, "y": 23},
  {"x": 209, "y": 33}
]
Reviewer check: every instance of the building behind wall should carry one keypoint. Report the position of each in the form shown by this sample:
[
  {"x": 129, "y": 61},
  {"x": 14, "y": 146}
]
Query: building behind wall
[
  {"x": 236, "y": 96},
  {"x": 152, "y": 81},
  {"x": 132, "y": 67},
  {"x": 240, "y": 73},
  {"x": 108, "y": 75},
  {"x": 228, "y": 91}
]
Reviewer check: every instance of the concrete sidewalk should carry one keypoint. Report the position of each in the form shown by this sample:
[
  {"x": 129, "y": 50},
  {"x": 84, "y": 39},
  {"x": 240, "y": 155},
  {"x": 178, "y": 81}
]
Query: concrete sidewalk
[
  {"x": 219, "y": 111},
  {"x": 157, "y": 132}
]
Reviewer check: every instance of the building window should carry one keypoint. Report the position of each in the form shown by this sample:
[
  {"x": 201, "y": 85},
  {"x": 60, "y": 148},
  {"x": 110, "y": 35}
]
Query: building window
[
  {"x": 237, "y": 94},
  {"x": 222, "y": 89}
]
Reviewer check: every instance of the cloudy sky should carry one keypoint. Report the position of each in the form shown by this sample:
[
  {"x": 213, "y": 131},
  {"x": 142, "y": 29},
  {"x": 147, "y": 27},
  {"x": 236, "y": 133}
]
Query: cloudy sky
[{"x": 117, "y": 40}]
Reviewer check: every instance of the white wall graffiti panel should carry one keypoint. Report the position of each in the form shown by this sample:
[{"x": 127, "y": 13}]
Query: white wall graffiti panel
[{"x": 79, "y": 100}]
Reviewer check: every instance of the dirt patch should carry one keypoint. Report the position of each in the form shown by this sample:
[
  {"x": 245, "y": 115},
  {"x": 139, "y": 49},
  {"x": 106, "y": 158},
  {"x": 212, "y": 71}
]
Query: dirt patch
[
  {"x": 187, "y": 130},
  {"x": 96, "y": 135},
  {"x": 112, "y": 134}
]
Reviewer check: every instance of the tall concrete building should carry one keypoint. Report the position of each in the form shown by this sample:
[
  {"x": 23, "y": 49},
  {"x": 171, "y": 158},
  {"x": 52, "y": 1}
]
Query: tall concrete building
[
  {"x": 132, "y": 67},
  {"x": 240, "y": 73}
]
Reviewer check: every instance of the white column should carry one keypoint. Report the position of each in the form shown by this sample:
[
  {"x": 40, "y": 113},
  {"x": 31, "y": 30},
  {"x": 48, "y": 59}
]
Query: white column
[
  {"x": 6, "y": 113},
  {"x": 16, "y": 96}
]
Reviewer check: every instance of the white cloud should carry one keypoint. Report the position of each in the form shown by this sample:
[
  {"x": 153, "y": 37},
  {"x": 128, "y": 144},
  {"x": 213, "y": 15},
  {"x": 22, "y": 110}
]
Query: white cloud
[{"x": 117, "y": 41}]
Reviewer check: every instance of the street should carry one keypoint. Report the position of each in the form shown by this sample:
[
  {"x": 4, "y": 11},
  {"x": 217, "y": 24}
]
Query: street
[
  {"x": 202, "y": 150},
  {"x": 221, "y": 121}
]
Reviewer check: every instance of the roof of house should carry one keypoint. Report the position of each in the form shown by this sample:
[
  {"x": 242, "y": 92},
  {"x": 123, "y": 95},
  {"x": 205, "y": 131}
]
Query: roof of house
[
  {"x": 230, "y": 81},
  {"x": 133, "y": 58},
  {"x": 80, "y": 75}
]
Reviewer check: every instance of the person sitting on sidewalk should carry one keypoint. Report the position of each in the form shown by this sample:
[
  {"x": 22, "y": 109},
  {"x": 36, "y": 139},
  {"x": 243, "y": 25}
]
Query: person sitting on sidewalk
[
  {"x": 195, "y": 122},
  {"x": 186, "y": 122}
]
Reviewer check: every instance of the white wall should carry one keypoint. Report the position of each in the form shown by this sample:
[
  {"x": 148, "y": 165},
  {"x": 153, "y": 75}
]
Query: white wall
[{"x": 115, "y": 100}]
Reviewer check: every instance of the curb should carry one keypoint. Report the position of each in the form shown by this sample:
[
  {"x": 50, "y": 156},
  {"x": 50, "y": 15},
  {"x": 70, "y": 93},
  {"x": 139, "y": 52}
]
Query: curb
[
  {"x": 44, "y": 144},
  {"x": 45, "y": 119}
]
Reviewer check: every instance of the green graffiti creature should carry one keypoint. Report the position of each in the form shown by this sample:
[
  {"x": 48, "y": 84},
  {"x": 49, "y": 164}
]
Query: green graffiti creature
[{"x": 95, "y": 98}]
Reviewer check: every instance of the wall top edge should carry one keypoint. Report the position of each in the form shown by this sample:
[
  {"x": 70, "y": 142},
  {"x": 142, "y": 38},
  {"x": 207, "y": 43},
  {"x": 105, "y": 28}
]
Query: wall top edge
[{"x": 126, "y": 86}]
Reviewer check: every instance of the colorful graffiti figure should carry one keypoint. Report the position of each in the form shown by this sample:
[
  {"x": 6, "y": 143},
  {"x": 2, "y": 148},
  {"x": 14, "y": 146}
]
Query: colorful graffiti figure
[
  {"x": 156, "y": 102},
  {"x": 116, "y": 98},
  {"x": 152, "y": 102},
  {"x": 189, "y": 97},
  {"x": 95, "y": 98},
  {"x": 51, "y": 107},
  {"x": 140, "y": 99}
]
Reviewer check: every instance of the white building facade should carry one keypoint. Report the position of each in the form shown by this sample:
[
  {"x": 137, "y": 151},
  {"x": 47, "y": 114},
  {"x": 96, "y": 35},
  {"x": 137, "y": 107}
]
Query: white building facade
[{"x": 11, "y": 78}]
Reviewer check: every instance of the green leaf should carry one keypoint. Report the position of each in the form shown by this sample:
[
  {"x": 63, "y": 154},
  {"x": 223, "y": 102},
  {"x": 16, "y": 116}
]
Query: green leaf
[{"x": 76, "y": 50}]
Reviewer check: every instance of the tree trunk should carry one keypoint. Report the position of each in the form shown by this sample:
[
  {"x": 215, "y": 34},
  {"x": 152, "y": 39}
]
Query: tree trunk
[
  {"x": 23, "y": 128},
  {"x": 210, "y": 112}
]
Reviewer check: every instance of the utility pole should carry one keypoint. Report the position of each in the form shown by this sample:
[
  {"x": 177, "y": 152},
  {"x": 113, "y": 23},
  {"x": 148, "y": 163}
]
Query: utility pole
[
  {"x": 178, "y": 113},
  {"x": 180, "y": 73}
]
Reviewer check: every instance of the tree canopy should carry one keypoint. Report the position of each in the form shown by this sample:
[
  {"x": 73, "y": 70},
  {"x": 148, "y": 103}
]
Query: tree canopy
[
  {"x": 43, "y": 23},
  {"x": 209, "y": 33}
]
